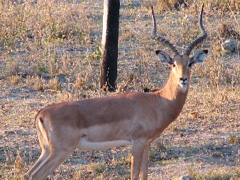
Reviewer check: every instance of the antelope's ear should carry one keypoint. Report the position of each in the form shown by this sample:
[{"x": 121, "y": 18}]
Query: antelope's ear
[
  {"x": 164, "y": 57},
  {"x": 198, "y": 57}
]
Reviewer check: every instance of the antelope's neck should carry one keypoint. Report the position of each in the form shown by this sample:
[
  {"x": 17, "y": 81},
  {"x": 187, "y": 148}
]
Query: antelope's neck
[{"x": 172, "y": 97}]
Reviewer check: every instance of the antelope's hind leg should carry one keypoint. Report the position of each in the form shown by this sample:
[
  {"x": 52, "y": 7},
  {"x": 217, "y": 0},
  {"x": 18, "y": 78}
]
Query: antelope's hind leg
[
  {"x": 50, "y": 164},
  {"x": 43, "y": 157},
  {"x": 49, "y": 160}
]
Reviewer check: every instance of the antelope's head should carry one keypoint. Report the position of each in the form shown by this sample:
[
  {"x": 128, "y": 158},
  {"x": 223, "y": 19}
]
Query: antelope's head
[{"x": 181, "y": 63}]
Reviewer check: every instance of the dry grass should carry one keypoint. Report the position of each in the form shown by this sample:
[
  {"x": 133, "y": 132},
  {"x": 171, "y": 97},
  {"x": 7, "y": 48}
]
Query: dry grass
[{"x": 49, "y": 52}]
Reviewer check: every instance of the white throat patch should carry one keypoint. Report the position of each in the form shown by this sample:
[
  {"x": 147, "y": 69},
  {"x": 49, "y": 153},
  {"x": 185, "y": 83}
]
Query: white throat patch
[{"x": 183, "y": 88}]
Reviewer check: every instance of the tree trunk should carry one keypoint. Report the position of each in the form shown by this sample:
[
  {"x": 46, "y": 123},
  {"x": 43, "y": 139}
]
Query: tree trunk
[{"x": 110, "y": 45}]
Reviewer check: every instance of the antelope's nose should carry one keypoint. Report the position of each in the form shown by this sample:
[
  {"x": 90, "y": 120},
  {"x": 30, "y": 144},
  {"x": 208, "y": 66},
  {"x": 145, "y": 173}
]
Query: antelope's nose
[{"x": 184, "y": 81}]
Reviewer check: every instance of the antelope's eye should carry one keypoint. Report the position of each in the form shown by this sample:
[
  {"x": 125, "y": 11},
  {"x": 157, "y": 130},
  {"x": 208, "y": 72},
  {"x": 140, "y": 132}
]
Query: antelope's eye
[{"x": 173, "y": 65}]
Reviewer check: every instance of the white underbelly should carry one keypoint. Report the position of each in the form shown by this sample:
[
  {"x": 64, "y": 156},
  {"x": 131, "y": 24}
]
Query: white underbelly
[{"x": 86, "y": 145}]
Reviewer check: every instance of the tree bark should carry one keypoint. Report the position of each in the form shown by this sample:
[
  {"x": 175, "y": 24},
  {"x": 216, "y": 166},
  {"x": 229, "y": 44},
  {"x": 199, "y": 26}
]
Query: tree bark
[{"x": 110, "y": 45}]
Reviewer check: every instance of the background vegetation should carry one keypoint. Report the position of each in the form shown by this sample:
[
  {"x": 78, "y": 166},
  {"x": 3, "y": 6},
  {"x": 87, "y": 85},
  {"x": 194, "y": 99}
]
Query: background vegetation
[{"x": 50, "y": 52}]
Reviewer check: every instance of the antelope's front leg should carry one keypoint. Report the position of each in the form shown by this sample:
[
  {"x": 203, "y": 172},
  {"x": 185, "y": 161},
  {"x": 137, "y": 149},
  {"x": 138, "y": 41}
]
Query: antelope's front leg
[
  {"x": 136, "y": 158},
  {"x": 144, "y": 163}
]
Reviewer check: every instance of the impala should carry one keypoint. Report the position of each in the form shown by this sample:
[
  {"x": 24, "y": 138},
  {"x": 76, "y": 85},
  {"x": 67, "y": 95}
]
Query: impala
[{"x": 128, "y": 119}]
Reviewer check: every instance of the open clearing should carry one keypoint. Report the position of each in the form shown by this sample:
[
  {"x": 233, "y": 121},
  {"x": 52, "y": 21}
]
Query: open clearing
[{"x": 50, "y": 52}]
